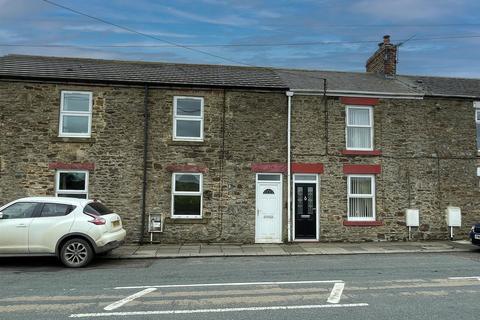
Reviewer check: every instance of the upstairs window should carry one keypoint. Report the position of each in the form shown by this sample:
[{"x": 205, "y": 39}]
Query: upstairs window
[
  {"x": 359, "y": 128},
  {"x": 187, "y": 195},
  {"x": 72, "y": 184},
  {"x": 75, "y": 114},
  {"x": 361, "y": 198},
  {"x": 188, "y": 118}
]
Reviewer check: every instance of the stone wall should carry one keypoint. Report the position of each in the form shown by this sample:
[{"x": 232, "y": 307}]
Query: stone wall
[
  {"x": 428, "y": 160},
  {"x": 428, "y": 157},
  {"x": 240, "y": 127},
  {"x": 29, "y": 143}
]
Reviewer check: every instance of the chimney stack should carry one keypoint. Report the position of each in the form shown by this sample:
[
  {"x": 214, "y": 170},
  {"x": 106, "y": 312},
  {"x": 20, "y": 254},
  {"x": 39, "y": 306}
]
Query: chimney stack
[{"x": 384, "y": 60}]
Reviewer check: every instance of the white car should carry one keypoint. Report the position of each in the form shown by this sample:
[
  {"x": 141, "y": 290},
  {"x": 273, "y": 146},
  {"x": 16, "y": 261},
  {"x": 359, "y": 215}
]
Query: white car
[{"x": 72, "y": 229}]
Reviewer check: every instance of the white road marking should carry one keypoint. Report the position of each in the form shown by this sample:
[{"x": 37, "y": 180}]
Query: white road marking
[
  {"x": 159, "y": 312},
  {"x": 126, "y": 300},
  {"x": 464, "y": 278},
  {"x": 336, "y": 293},
  {"x": 230, "y": 284}
]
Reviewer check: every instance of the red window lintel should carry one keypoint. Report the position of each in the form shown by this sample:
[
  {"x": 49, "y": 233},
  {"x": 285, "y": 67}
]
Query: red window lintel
[
  {"x": 359, "y": 101},
  {"x": 279, "y": 167},
  {"x": 307, "y": 167},
  {"x": 362, "y": 169},
  {"x": 71, "y": 166}
]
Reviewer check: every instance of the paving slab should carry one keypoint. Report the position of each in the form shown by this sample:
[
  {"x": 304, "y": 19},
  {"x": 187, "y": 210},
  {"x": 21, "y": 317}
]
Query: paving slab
[
  {"x": 317, "y": 248},
  {"x": 293, "y": 248},
  {"x": 150, "y": 253}
]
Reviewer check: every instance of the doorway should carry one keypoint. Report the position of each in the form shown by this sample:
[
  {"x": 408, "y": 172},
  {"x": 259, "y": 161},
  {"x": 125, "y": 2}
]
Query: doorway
[
  {"x": 305, "y": 207},
  {"x": 268, "y": 221}
]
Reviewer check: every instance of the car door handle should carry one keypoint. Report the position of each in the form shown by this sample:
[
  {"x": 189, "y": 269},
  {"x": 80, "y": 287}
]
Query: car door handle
[{"x": 21, "y": 225}]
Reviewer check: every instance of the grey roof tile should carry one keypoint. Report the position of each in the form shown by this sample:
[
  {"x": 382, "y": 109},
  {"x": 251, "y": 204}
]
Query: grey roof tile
[
  {"x": 22, "y": 66},
  {"x": 443, "y": 86},
  {"x": 344, "y": 81},
  {"x": 138, "y": 72}
]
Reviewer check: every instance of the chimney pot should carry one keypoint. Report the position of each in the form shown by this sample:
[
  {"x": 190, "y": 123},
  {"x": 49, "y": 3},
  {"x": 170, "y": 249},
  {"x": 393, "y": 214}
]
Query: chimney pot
[{"x": 386, "y": 39}]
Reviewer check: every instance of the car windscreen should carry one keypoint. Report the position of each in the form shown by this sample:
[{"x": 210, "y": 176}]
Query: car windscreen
[{"x": 97, "y": 209}]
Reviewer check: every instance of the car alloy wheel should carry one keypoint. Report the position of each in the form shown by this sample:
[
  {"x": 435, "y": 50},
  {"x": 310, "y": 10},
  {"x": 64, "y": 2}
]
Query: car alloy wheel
[{"x": 76, "y": 253}]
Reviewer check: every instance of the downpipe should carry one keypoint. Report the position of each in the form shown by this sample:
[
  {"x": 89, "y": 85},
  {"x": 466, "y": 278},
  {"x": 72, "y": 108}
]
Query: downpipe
[{"x": 289, "y": 169}]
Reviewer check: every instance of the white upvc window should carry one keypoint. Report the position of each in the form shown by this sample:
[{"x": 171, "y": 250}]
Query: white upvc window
[
  {"x": 188, "y": 118},
  {"x": 359, "y": 128},
  {"x": 71, "y": 184},
  {"x": 476, "y": 104},
  {"x": 361, "y": 198},
  {"x": 75, "y": 114},
  {"x": 187, "y": 199}
]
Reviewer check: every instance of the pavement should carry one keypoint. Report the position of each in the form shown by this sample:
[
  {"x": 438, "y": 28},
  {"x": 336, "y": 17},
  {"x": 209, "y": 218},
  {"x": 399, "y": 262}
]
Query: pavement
[{"x": 152, "y": 251}]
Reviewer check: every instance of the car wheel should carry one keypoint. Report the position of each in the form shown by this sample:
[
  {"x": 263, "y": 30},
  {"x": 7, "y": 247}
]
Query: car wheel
[{"x": 76, "y": 253}]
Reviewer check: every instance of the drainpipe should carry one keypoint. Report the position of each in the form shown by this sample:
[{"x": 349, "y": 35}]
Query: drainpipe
[
  {"x": 146, "y": 117},
  {"x": 289, "y": 171}
]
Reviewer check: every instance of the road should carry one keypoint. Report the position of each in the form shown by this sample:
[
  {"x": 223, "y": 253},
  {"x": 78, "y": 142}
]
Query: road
[{"x": 390, "y": 286}]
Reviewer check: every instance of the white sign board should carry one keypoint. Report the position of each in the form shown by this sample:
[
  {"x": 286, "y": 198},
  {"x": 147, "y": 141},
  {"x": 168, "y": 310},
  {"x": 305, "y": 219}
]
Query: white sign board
[
  {"x": 454, "y": 217},
  {"x": 413, "y": 217}
]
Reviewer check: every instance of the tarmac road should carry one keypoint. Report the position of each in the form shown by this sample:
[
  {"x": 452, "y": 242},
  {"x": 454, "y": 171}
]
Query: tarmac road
[{"x": 393, "y": 286}]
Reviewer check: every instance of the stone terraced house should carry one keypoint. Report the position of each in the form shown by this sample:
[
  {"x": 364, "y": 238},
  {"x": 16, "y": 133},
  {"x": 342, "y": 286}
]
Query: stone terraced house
[{"x": 217, "y": 152}]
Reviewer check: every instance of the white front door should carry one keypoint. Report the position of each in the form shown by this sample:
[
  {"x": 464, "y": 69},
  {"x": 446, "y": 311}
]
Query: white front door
[{"x": 268, "y": 226}]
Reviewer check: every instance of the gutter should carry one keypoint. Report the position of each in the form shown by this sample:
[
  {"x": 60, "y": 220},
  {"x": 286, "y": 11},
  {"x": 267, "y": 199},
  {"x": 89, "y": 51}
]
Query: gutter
[
  {"x": 146, "y": 117},
  {"x": 139, "y": 83},
  {"x": 366, "y": 94},
  {"x": 451, "y": 96}
]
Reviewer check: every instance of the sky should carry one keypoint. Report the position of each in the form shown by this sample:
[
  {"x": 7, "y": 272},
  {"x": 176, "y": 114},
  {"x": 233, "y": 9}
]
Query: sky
[{"x": 341, "y": 34}]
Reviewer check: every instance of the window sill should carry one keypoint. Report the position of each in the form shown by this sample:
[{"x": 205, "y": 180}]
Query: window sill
[
  {"x": 361, "y": 152},
  {"x": 73, "y": 140},
  {"x": 362, "y": 223},
  {"x": 185, "y": 220},
  {"x": 186, "y": 143}
]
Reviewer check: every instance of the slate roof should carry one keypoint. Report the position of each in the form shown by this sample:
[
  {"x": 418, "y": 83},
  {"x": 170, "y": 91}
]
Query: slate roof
[
  {"x": 443, "y": 86},
  {"x": 131, "y": 72},
  {"x": 23, "y": 66},
  {"x": 344, "y": 82}
]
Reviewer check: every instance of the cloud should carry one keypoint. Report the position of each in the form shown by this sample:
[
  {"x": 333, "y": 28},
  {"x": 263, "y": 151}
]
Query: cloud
[
  {"x": 8, "y": 36},
  {"x": 253, "y": 21},
  {"x": 407, "y": 10},
  {"x": 225, "y": 19},
  {"x": 113, "y": 29},
  {"x": 14, "y": 9}
]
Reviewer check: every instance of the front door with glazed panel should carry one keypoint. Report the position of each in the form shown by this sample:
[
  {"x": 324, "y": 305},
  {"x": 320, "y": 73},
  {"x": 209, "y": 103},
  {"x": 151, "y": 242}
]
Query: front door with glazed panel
[
  {"x": 305, "y": 211},
  {"x": 269, "y": 211}
]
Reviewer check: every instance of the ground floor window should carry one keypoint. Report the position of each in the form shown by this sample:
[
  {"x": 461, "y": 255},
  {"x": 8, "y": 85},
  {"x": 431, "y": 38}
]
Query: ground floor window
[
  {"x": 361, "y": 197},
  {"x": 72, "y": 184},
  {"x": 187, "y": 195}
]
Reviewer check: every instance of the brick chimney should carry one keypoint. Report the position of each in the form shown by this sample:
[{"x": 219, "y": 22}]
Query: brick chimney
[{"x": 384, "y": 60}]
